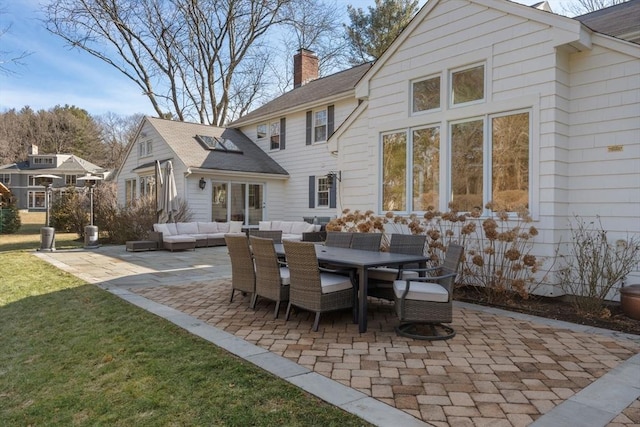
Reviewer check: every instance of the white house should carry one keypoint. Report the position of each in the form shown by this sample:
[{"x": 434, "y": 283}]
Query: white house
[
  {"x": 489, "y": 100},
  {"x": 280, "y": 167}
]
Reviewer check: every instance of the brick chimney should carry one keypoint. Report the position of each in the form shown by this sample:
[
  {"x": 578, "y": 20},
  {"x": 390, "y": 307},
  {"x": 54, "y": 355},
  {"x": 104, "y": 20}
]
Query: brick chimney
[{"x": 305, "y": 67}]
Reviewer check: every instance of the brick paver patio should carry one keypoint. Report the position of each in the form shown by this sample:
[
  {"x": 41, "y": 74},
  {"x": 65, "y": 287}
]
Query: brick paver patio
[{"x": 498, "y": 370}]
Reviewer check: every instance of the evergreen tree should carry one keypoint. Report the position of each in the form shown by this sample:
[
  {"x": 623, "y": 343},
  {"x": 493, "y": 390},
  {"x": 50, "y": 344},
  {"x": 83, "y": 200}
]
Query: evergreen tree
[{"x": 371, "y": 33}]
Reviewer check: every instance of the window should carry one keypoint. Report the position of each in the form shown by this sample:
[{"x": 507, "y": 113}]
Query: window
[
  {"x": 129, "y": 191},
  {"x": 466, "y": 164},
  {"x": 510, "y": 161},
  {"x": 36, "y": 199},
  {"x": 324, "y": 188},
  {"x": 320, "y": 126},
  {"x": 261, "y": 131},
  {"x": 467, "y": 85},
  {"x": 489, "y": 161},
  {"x": 147, "y": 185},
  {"x": 70, "y": 179},
  {"x": 426, "y": 168},
  {"x": 5, "y": 178},
  {"x": 43, "y": 160},
  {"x": 274, "y": 135},
  {"x": 425, "y": 94},
  {"x": 145, "y": 148},
  {"x": 32, "y": 180},
  {"x": 394, "y": 172}
]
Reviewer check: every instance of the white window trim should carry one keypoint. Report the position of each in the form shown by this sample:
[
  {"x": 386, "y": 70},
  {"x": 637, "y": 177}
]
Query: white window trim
[
  {"x": 421, "y": 79},
  {"x": 452, "y": 71},
  {"x": 327, "y": 191},
  {"x": 266, "y": 132},
  {"x": 313, "y": 126},
  {"x": 269, "y": 127}
]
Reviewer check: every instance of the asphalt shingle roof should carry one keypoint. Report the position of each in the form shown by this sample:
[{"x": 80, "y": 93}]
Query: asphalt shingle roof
[
  {"x": 315, "y": 90},
  {"x": 621, "y": 20},
  {"x": 181, "y": 137}
]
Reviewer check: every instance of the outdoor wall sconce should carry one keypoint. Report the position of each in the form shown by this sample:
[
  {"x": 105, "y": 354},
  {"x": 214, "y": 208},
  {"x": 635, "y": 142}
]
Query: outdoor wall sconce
[
  {"x": 332, "y": 176},
  {"x": 202, "y": 183}
]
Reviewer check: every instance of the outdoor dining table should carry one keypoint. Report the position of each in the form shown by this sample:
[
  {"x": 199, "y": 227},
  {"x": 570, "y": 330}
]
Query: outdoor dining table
[{"x": 361, "y": 261}]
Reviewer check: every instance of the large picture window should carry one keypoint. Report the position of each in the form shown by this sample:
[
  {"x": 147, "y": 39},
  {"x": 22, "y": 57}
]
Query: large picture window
[
  {"x": 488, "y": 160},
  {"x": 467, "y": 85},
  {"x": 394, "y": 171},
  {"x": 426, "y": 168},
  {"x": 425, "y": 94}
]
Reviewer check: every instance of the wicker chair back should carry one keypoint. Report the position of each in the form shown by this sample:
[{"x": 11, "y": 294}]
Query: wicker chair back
[
  {"x": 366, "y": 241},
  {"x": 268, "y": 274},
  {"x": 338, "y": 239},
  {"x": 275, "y": 235},
  {"x": 243, "y": 277}
]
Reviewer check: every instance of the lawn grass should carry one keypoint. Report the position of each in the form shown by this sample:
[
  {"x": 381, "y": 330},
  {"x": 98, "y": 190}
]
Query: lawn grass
[
  {"x": 28, "y": 237},
  {"x": 73, "y": 354}
]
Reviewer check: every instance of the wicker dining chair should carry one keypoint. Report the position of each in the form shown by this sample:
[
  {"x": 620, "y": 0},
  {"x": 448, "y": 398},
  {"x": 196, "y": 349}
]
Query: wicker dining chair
[
  {"x": 311, "y": 289},
  {"x": 275, "y": 235},
  {"x": 272, "y": 279},
  {"x": 425, "y": 304},
  {"x": 338, "y": 239},
  {"x": 366, "y": 241},
  {"x": 243, "y": 276},
  {"x": 380, "y": 279}
]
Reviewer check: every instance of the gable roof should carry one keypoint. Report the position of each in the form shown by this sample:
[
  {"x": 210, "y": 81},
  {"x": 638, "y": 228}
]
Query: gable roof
[
  {"x": 342, "y": 82},
  {"x": 620, "y": 20},
  {"x": 182, "y": 138},
  {"x": 70, "y": 163}
]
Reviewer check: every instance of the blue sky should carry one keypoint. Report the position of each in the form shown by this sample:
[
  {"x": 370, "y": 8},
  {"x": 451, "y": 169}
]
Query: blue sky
[{"x": 56, "y": 75}]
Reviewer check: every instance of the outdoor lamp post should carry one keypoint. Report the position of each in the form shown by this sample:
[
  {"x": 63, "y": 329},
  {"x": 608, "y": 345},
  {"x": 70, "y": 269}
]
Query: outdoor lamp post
[
  {"x": 47, "y": 234},
  {"x": 90, "y": 231}
]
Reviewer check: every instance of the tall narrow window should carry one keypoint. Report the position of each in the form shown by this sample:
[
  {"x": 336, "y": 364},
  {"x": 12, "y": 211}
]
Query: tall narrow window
[
  {"x": 426, "y": 168},
  {"x": 510, "y": 162},
  {"x": 394, "y": 171},
  {"x": 275, "y": 135},
  {"x": 320, "y": 126},
  {"x": 467, "y": 85},
  {"x": 129, "y": 191},
  {"x": 323, "y": 192},
  {"x": 466, "y": 164},
  {"x": 426, "y": 94}
]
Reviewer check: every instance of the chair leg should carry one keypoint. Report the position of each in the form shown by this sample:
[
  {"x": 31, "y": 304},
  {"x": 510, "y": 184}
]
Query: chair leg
[
  {"x": 275, "y": 314},
  {"x": 316, "y": 322},
  {"x": 254, "y": 300},
  {"x": 232, "y": 291},
  {"x": 288, "y": 312}
]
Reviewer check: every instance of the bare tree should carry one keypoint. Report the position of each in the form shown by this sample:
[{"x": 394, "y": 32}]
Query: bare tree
[
  {"x": 9, "y": 59},
  {"x": 117, "y": 133},
  {"x": 186, "y": 56},
  {"x": 581, "y": 7}
]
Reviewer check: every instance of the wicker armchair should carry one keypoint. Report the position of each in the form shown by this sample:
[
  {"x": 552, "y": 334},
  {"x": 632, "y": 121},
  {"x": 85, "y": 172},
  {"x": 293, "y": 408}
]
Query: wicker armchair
[
  {"x": 426, "y": 303},
  {"x": 338, "y": 239},
  {"x": 272, "y": 279},
  {"x": 366, "y": 241},
  {"x": 380, "y": 279},
  {"x": 310, "y": 289},
  {"x": 275, "y": 235},
  {"x": 243, "y": 276}
]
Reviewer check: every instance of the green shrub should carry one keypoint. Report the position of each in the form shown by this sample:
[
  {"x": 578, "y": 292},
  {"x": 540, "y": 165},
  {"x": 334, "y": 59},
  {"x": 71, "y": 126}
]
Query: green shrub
[
  {"x": 69, "y": 211},
  {"x": 10, "y": 219}
]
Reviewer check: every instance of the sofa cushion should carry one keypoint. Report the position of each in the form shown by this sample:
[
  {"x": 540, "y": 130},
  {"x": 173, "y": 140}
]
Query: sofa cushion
[
  {"x": 235, "y": 227},
  {"x": 179, "y": 238},
  {"x": 300, "y": 227},
  {"x": 223, "y": 227},
  {"x": 173, "y": 230},
  {"x": 264, "y": 225},
  {"x": 207, "y": 227},
  {"x": 162, "y": 228},
  {"x": 276, "y": 225},
  {"x": 285, "y": 226},
  {"x": 187, "y": 227}
]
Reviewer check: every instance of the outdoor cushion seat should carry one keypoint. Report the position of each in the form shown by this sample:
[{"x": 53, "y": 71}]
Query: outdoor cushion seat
[
  {"x": 292, "y": 231},
  {"x": 387, "y": 275},
  {"x": 334, "y": 282},
  {"x": 421, "y": 291}
]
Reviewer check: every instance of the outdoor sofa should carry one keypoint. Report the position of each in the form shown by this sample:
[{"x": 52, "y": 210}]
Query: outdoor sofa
[
  {"x": 291, "y": 230},
  {"x": 191, "y": 235}
]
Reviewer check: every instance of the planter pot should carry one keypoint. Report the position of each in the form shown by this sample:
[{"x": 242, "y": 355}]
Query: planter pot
[{"x": 630, "y": 301}]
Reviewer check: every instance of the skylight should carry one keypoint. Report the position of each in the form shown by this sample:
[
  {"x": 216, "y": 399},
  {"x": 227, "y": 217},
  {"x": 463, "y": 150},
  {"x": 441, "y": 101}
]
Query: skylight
[{"x": 217, "y": 143}]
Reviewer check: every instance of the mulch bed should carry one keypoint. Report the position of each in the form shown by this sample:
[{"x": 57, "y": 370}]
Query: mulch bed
[{"x": 554, "y": 308}]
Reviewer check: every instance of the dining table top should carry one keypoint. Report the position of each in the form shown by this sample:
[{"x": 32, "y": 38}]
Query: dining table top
[{"x": 358, "y": 257}]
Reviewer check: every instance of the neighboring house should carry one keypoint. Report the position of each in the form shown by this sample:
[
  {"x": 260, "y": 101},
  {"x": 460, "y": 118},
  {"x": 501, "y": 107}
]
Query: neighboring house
[
  {"x": 29, "y": 191},
  {"x": 489, "y": 100},
  {"x": 282, "y": 172}
]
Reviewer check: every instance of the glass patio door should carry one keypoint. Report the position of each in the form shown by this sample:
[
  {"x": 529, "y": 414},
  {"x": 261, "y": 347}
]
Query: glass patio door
[{"x": 237, "y": 201}]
